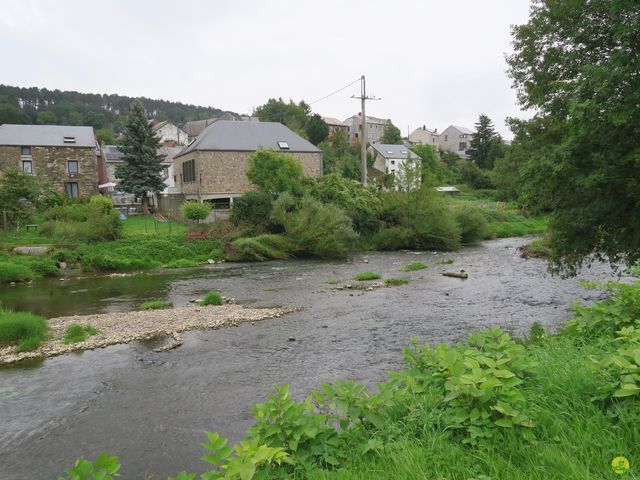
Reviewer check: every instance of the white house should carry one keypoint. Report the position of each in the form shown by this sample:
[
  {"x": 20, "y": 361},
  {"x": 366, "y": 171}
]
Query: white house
[{"x": 169, "y": 133}]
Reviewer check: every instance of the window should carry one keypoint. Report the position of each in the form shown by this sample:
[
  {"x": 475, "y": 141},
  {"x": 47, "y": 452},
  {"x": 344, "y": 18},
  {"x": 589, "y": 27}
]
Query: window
[
  {"x": 446, "y": 138},
  {"x": 66, "y": 139},
  {"x": 283, "y": 145},
  {"x": 71, "y": 189},
  {"x": 27, "y": 167},
  {"x": 393, "y": 162},
  {"x": 189, "y": 171},
  {"x": 25, "y": 150},
  {"x": 72, "y": 167},
  {"x": 462, "y": 145}
]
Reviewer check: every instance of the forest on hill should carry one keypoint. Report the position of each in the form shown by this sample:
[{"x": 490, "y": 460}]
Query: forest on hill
[{"x": 105, "y": 113}]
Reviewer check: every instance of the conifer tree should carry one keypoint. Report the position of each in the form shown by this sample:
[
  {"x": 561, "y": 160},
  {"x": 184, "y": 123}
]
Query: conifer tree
[{"x": 142, "y": 171}]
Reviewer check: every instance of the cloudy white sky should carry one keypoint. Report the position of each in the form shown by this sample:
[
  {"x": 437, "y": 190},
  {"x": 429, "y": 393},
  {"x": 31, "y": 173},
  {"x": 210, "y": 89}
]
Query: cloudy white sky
[{"x": 432, "y": 62}]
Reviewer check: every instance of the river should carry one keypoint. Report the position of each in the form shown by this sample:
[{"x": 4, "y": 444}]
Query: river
[{"x": 150, "y": 408}]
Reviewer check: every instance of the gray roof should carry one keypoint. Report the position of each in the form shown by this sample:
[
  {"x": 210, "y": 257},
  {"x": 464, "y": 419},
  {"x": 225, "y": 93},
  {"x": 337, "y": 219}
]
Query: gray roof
[
  {"x": 46, "y": 136},
  {"x": 195, "y": 127},
  {"x": 464, "y": 130},
  {"x": 333, "y": 121},
  {"x": 230, "y": 136},
  {"x": 111, "y": 153},
  {"x": 393, "y": 151}
]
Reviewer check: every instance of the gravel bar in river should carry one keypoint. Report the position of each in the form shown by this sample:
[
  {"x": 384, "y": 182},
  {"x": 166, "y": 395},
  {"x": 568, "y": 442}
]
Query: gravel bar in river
[{"x": 121, "y": 327}]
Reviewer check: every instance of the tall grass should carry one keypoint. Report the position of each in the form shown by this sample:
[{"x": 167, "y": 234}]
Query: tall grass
[{"x": 26, "y": 330}]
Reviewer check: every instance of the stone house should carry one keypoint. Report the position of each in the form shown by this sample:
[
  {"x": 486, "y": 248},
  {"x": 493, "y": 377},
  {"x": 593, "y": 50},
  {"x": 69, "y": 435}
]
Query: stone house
[
  {"x": 213, "y": 167},
  {"x": 375, "y": 128},
  {"x": 67, "y": 156},
  {"x": 456, "y": 139},
  {"x": 425, "y": 136},
  {"x": 334, "y": 125}
]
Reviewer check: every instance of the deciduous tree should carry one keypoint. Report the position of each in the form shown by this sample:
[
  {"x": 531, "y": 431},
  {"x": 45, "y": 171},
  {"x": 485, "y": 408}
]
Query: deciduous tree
[
  {"x": 391, "y": 135},
  {"x": 576, "y": 64}
]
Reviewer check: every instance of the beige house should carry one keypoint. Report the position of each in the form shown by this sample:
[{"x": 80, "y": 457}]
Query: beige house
[
  {"x": 375, "y": 128},
  {"x": 66, "y": 156},
  {"x": 335, "y": 125},
  {"x": 425, "y": 136},
  {"x": 169, "y": 134},
  {"x": 213, "y": 166}
]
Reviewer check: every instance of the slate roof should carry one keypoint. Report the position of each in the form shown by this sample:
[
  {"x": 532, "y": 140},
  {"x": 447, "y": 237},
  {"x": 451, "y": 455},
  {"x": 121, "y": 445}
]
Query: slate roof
[
  {"x": 464, "y": 130},
  {"x": 230, "y": 136},
  {"x": 111, "y": 153},
  {"x": 46, "y": 136},
  {"x": 333, "y": 122},
  {"x": 393, "y": 151}
]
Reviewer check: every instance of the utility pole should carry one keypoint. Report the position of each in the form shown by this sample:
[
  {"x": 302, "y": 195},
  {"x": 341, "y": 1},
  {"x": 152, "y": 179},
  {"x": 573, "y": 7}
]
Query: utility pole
[{"x": 363, "y": 131}]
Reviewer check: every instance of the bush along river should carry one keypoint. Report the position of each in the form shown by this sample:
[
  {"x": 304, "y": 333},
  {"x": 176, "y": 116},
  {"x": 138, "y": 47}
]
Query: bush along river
[{"x": 151, "y": 408}]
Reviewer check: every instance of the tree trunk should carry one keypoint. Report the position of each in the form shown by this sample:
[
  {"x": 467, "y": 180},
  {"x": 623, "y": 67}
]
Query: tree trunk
[{"x": 145, "y": 203}]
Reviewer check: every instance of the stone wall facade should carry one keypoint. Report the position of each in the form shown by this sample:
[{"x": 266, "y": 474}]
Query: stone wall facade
[
  {"x": 51, "y": 163},
  {"x": 224, "y": 174}
]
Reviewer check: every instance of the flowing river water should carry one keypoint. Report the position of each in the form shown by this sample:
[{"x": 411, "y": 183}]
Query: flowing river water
[{"x": 150, "y": 408}]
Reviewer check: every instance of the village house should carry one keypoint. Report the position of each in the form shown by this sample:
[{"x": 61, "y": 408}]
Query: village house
[
  {"x": 213, "y": 167},
  {"x": 456, "y": 139},
  {"x": 67, "y": 156},
  {"x": 425, "y": 136},
  {"x": 169, "y": 134},
  {"x": 335, "y": 125},
  {"x": 388, "y": 159},
  {"x": 375, "y": 128}
]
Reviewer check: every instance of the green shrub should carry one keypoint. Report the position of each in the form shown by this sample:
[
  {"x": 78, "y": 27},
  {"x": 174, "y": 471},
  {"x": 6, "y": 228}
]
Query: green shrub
[
  {"x": 94, "y": 221},
  {"x": 473, "y": 224},
  {"x": 412, "y": 267},
  {"x": 395, "y": 282},
  {"x": 360, "y": 204},
  {"x": 314, "y": 229},
  {"x": 195, "y": 211},
  {"x": 155, "y": 305},
  {"x": 24, "y": 328},
  {"x": 253, "y": 208},
  {"x": 13, "y": 272},
  {"x": 212, "y": 298},
  {"x": 262, "y": 247},
  {"x": 393, "y": 238},
  {"x": 332, "y": 281},
  {"x": 275, "y": 172},
  {"x": 367, "y": 276}
]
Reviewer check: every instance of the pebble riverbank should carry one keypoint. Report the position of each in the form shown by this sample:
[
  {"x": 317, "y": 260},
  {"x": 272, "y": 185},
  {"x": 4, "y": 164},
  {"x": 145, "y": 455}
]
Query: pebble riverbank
[{"x": 114, "y": 328}]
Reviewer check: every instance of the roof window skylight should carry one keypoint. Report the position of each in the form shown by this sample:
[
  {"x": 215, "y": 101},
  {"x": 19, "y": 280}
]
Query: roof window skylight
[{"x": 283, "y": 145}]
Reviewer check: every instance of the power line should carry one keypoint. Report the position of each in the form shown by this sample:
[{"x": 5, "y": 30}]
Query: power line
[{"x": 333, "y": 93}]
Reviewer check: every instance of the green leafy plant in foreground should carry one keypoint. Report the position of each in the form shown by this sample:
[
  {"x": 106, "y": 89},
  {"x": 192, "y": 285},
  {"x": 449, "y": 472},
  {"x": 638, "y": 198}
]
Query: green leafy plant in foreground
[
  {"x": 479, "y": 381},
  {"x": 105, "y": 467}
]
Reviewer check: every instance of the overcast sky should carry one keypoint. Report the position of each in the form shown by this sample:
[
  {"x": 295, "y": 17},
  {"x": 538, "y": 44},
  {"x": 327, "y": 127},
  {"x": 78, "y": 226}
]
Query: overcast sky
[{"x": 431, "y": 62}]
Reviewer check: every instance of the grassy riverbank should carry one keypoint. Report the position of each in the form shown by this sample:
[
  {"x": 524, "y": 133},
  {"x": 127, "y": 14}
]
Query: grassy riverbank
[
  {"x": 551, "y": 406},
  {"x": 148, "y": 244}
]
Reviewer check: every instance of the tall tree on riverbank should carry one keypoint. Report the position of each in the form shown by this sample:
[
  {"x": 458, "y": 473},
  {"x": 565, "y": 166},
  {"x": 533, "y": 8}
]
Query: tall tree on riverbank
[
  {"x": 142, "y": 170},
  {"x": 486, "y": 144},
  {"x": 576, "y": 64}
]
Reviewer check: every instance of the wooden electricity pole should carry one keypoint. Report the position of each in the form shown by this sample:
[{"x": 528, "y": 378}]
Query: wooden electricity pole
[{"x": 363, "y": 131}]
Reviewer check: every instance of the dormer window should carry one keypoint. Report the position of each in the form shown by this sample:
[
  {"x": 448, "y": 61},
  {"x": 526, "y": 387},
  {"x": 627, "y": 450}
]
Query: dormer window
[
  {"x": 67, "y": 139},
  {"x": 283, "y": 145}
]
